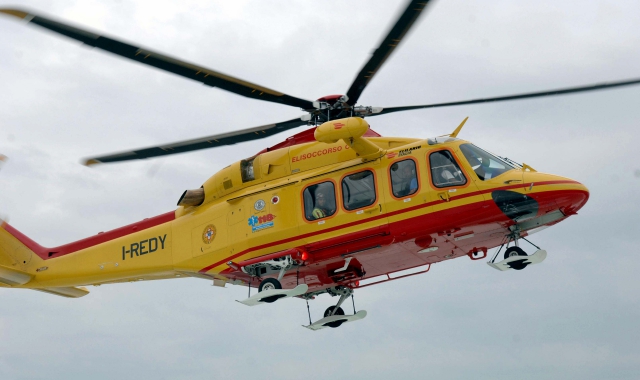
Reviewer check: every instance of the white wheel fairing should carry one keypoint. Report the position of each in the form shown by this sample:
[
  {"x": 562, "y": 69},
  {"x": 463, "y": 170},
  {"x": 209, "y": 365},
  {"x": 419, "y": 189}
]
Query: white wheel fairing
[
  {"x": 323, "y": 323},
  {"x": 281, "y": 293},
  {"x": 535, "y": 258}
]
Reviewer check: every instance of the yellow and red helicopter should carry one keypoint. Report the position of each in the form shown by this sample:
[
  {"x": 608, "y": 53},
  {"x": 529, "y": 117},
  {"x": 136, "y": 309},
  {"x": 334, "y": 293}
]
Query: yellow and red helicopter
[{"x": 329, "y": 210}]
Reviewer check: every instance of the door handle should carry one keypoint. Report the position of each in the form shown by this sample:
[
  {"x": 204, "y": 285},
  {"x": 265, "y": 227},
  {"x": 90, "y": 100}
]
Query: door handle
[
  {"x": 372, "y": 210},
  {"x": 444, "y": 196}
]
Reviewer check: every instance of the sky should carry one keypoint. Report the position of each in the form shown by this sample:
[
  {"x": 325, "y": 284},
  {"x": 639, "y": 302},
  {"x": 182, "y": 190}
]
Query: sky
[{"x": 573, "y": 317}]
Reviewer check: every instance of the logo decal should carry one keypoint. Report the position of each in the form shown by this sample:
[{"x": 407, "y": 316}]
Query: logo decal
[
  {"x": 275, "y": 199},
  {"x": 209, "y": 234},
  {"x": 408, "y": 151},
  {"x": 259, "y": 223},
  {"x": 338, "y": 125},
  {"x": 391, "y": 154},
  {"x": 259, "y": 205}
]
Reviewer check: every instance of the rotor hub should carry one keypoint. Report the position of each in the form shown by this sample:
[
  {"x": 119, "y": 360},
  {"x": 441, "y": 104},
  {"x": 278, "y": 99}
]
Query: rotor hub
[{"x": 333, "y": 107}]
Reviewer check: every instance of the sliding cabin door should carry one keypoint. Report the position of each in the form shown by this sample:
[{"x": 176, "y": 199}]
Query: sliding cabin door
[{"x": 343, "y": 215}]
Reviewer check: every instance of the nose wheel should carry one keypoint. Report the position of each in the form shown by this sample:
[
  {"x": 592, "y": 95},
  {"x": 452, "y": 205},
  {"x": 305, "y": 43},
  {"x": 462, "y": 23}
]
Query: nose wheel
[
  {"x": 516, "y": 252},
  {"x": 515, "y": 257}
]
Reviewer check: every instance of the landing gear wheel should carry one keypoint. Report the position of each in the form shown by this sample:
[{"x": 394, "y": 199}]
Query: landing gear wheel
[
  {"x": 339, "y": 311},
  {"x": 515, "y": 251},
  {"x": 269, "y": 284}
]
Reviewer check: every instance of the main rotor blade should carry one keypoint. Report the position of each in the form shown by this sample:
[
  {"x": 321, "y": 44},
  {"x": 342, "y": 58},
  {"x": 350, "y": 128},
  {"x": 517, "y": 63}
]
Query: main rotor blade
[
  {"x": 188, "y": 70},
  {"x": 563, "y": 91},
  {"x": 201, "y": 143},
  {"x": 389, "y": 43}
]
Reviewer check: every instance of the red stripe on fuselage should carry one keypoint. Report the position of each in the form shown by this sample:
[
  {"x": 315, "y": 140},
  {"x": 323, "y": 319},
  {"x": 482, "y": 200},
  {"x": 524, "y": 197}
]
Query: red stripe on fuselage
[
  {"x": 397, "y": 212},
  {"x": 103, "y": 237}
]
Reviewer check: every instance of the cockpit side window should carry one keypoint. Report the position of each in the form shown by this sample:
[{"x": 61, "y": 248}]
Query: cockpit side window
[
  {"x": 484, "y": 164},
  {"x": 445, "y": 171},
  {"x": 319, "y": 200}
]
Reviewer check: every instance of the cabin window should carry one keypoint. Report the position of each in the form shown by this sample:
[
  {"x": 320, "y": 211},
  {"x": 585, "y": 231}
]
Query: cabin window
[
  {"x": 246, "y": 169},
  {"x": 358, "y": 190},
  {"x": 445, "y": 172},
  {"x": 319, "y": 200},
  {"x": 404, "y": 180},
  {"x": 484, "y": 164}
]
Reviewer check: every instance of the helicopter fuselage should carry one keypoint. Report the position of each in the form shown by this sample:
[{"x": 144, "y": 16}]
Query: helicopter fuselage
[{"x": 342, "y": 219}]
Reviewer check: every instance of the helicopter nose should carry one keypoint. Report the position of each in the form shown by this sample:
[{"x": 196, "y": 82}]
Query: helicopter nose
[
  {"x": 557, "y": 193},
  {"x": 572, "y": 198}
]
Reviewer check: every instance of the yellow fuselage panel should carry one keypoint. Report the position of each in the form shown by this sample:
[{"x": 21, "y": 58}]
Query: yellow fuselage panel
[
  {"x": 145, "y": 252},
  {"x": 270, "y": 166}
]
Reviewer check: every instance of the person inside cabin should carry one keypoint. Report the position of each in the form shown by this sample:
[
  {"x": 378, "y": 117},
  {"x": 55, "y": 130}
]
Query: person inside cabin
[
  {"x": 410, "y": 182},
  {"x": 444, "y": 170},
  {"x": 321, "y": 209},
  {"x": 404, "y": 178},
  {"x": 441, "y": 165},
  {"x": 319, "y": 200}
]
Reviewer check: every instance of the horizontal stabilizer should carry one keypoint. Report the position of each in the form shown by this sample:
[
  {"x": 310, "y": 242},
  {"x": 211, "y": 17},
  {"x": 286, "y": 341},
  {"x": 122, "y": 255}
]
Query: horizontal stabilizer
[
  {"x": 12, "y": 277},
  {"x": 69, "y": 292}
]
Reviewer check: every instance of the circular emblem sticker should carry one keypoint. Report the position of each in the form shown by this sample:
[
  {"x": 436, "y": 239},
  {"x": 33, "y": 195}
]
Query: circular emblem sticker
[
  {"x": 259, "y": 205},
  {"x": 275, "y": 199},
  {"x": 209, "y": 234}
]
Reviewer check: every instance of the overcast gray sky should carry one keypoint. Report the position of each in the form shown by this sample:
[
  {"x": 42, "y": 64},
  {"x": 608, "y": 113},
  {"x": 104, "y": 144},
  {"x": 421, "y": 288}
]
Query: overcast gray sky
[{"x": 575, "y": 316}]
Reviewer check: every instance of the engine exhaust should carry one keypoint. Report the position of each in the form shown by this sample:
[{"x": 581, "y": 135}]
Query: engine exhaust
[{"x": 191, "y": 198}]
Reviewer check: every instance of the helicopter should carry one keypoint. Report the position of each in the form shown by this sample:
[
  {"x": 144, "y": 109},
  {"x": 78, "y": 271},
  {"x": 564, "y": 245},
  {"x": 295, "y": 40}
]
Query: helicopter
[{"x": 390, "y": 204}]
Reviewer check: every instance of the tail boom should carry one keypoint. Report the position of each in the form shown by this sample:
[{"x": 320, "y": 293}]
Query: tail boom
[{"x": 112, "y": 256}]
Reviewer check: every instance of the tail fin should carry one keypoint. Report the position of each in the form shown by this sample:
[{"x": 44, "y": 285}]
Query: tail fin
[{"x": 15, "y": 259}]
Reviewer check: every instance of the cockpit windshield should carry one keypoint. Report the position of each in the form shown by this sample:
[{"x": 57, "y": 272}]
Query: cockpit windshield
[{"x": 485, "y": 164}]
